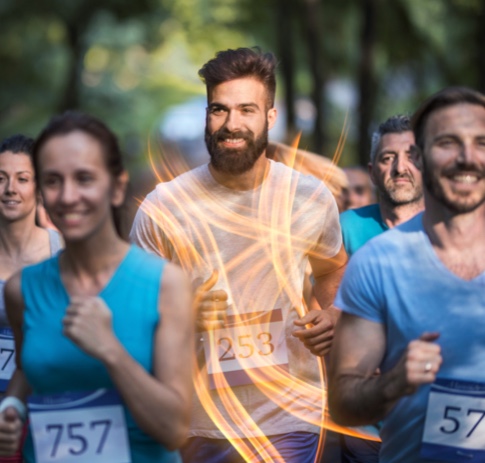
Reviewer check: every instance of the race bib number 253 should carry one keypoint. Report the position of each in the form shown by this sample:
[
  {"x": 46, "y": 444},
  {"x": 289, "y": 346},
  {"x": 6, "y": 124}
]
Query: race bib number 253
[{"x": 247, "y": 350}]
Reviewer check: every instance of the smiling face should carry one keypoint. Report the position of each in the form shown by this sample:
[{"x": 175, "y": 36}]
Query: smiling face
[
  {"x": 454, "y": 156},
  {"x": 237, "y": 124},
  {"x": 17, "y": 187},
  {"x": 77, "y": 188},
  {"x": 394, "y": 171}
]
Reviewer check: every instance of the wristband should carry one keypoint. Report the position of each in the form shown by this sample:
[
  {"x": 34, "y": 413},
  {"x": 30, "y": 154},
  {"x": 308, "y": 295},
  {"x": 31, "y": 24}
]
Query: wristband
[{"x": 11, "y": 401}]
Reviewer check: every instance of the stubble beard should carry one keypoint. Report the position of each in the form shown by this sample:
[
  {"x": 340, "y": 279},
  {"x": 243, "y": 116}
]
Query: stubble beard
[
  {"x": 435, "y": 189},
  {"x": 400, "y": 195},
  {"x": 235, "y": 161}
]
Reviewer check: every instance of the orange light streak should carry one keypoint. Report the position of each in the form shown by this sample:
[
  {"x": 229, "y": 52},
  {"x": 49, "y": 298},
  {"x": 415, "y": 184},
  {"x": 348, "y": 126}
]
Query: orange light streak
[{"x": 273, "y": 239}]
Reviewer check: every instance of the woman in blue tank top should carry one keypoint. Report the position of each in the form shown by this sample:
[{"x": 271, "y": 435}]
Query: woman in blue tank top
[{"x": 105, "y": 330}]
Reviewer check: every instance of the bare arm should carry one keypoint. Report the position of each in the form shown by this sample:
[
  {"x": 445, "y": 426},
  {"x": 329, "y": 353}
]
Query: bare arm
[
  {"x": 10, "y": 420},
  {"x": 18, "y": 386},
  {"x": 327, "y": 273},
  {"x": 160, "y": 404},
  {"x": 358, "y": 396}
]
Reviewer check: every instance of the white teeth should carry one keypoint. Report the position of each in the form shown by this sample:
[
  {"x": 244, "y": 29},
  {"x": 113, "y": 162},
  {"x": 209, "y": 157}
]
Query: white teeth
[
  {"x": 465, "y": 178},
  {"x": 233, "y": 140}
]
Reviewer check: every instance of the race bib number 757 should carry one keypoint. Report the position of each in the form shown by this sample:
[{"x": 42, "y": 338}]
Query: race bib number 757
[{"x": 79, "y": 428}]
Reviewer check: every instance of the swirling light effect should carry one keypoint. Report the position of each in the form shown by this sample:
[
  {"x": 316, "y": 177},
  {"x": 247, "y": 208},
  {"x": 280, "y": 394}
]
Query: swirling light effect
[{"x": 272, "y": 237}]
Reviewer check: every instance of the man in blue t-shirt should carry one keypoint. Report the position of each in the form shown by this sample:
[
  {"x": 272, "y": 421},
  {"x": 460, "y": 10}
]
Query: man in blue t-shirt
[{"x": 412, "y": 302}]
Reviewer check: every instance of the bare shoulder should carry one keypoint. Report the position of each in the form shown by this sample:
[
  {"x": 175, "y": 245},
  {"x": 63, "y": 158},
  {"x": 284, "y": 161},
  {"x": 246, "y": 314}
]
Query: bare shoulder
[
  {"x": 173, "y": 275},
  {"x": 175, "y": 293}
]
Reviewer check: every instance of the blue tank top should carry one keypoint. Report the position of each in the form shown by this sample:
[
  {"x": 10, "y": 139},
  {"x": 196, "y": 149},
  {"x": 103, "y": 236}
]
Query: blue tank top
[{"x": 54, "y": 364}]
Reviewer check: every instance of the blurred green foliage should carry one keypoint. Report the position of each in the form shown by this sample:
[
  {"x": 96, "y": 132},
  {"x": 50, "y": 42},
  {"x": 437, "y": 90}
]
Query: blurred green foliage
[{"x": 127, "y": 62}]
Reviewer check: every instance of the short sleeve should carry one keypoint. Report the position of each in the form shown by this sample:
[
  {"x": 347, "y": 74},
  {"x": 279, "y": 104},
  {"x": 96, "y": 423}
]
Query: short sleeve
[
  {"x": 329, "y": 238},
  {"x": 361, "y": 292}
]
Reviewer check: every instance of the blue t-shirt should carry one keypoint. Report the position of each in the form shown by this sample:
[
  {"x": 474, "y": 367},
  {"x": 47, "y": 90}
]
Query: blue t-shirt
[
  {"x": 397, "y": 280},
  {"x": 53, "y": 364},
  {"x": 360, "y": 225}
]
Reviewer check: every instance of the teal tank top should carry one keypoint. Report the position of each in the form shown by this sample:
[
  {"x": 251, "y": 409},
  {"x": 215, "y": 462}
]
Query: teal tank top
[
  {"x": 361, "y": 225},
  {"x": 53, "y": 364}
]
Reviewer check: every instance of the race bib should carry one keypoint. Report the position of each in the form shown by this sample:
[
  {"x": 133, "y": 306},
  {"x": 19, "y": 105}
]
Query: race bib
[
  {"x": 247, "y": 349},
  {"x": 7, "y": 357},
  {"x": 79, "y": 428},
  {"x": 454, "y": 429}
]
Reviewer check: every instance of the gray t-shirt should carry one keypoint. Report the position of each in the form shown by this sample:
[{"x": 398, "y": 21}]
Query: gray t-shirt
[{"x": 259, "y": 241}]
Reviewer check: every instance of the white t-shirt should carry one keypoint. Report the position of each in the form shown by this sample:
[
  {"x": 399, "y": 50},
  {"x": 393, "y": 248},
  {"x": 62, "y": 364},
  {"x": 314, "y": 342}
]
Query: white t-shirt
[{"x": 259, "y": 241}]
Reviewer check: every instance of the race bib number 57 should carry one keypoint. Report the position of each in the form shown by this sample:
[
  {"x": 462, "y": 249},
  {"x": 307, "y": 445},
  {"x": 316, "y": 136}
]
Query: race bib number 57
[
  {"x": 455, "y": 422},
  {"x": 79, "y": 428}
]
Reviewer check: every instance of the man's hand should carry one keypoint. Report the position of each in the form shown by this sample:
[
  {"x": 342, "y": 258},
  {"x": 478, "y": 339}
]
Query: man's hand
[
  {"x": 418, "y": 365},
  {"x": 317, "y": 330},
  {"x": 210, "y": 306},
  {"x": 10, "y": 431}
]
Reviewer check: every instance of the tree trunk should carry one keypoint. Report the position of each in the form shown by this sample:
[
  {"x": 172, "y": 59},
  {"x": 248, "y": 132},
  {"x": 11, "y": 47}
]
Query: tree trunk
[
  {"x": 313, "y": 26},
  {"x": 76, "y": 25},
  {"x": 366, "y": 78},
  {"x": 480, "y": 47},
  {"x": 287, "y": 66},
  {"x": 70, "y": 96}
]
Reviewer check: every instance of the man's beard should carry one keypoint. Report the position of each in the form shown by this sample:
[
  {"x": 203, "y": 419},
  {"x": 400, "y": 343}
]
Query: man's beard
[
  {"x": 235, "y": 161},
  {"x": 399, "y": 195},
  {"x": 459, "y": 204}
]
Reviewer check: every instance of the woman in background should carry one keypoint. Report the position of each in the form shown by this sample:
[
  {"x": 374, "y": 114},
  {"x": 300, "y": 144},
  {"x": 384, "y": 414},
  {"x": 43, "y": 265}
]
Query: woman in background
[
  {"x": 105, "y": 330},
  {"x": 22, "y": 242}
]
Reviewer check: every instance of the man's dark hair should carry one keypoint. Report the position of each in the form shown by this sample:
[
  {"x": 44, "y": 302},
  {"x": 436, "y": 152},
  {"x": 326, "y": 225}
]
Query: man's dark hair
[
  {"x": 395, "y": 124},
  {"x": 17, "y": 144},
  {"x": 242, "y": 62},
  {"x": 449, "y": 96}
]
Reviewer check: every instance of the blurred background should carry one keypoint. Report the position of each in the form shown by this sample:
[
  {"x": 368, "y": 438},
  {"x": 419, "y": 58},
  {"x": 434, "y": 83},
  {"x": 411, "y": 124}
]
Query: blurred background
[{"x": 134, "y": 64}]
